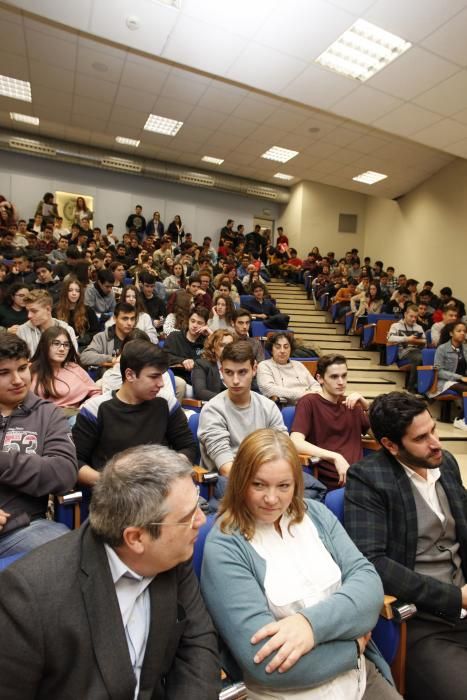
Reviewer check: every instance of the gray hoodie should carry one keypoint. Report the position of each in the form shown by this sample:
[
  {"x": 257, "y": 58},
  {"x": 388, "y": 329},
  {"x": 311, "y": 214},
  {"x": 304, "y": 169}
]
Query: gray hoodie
[{"x": 37, "y": 457}]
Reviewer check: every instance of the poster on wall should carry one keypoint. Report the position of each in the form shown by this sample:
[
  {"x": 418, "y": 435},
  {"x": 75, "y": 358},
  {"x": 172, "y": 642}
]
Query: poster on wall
[{"x": 74, "y": 207}]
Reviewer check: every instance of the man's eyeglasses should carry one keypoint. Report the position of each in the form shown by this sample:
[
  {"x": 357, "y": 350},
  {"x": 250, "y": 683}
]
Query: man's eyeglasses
[
  {"x": 189, "y": 521},
  {"x": 59, "y": 344}
]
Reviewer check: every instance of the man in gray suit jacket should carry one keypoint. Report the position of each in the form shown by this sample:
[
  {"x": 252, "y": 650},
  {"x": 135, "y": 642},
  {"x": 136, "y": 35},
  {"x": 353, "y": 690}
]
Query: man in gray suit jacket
[
  {"x": 406, "y": 510},
  {"x": 113, "y": 610}
]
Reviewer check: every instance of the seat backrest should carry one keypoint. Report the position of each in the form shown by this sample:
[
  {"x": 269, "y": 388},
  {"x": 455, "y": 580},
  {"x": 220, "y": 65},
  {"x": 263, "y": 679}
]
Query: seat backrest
[
  {"x": 382, "y": 330},
  {"x": 257, "y": 328},
  {"x": 428, "y": 356},
  {"x": 334, "y": 500},
  {"x": 193, "y": 422},
  {"x": 288, "y": 414},
  {"x": 245, "y": 298},
  {"x": 198, "y": 550}
]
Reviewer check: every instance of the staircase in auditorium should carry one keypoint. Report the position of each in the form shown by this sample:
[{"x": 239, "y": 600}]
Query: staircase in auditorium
[{"x": 365, "y": 375}]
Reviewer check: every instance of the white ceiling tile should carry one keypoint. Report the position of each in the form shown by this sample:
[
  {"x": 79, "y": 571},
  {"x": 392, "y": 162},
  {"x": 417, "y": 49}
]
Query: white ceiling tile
[
  {"x": 458, "y": 149},
  {"x": 87, "y": 86},
  {"x": 319, "y": 87},
  {"x": 365, "y": 104},
  {"x": 183, "y": 88},
  {"x": 356, "y": 7},
  {"x": 200, "y": 116},
  {"x": 132, "y": 117},
  {"x": 74, "y": 133},
  {"x": 238, "y": 127},
  {"x": 304, "y": 29},
  {"x": 148, "y": 75},
  {"x": 321, "y": 150},
  {"x": 449, "y": 40},
  {"x": 412, "y": 20},
  {"x": 134, "y": 98},
  {"x": 414, "y": 72},
  {"x": 74, "y": 14},
  {"x": 242, "y": 157},
  {"x": 224, "y": 140},
  {"x": 346, "y": 156},
  {"x": 442, "y": 134},
  {"x": 448, "y": 97},
  {"x": 268, "y": 134},
  {"x": 222, "y": 98},
  {"x": 287, "y": 120},
  {"x": 407, "y": 119},
  {"x": 197, "y": 134},
  {"x": 51, "y": 50},
  {"x": 230, "y": 16},
  {"x": 214, "y": 53},
  {"x": 368, "y": 143},
  {"x": 10, "y": 14},
  {"x": 341, "y": 136},
  {"x": 85, "y": 121},
  {"x": 156, "y": 23},
  {"x": 265, "y": 68},
  {"x": 173, "y": 109},
  {"x": 96, "y": 108},
  {"x": 14, "y": 65},
  {"x": 52, "y": 129},
  {"x": 256, "y": 110},
  {"x": 51, "y": 76},
  {"x": 13, "y": 38},
  {"x": 89, "y": 59},
  {"x": 52, "y": 104}
]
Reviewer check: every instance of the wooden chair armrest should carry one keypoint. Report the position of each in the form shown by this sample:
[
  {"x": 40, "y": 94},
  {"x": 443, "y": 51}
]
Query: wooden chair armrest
[
  {"x": 369, "y": 443},
  {"x": 386, "y": 610},
  {"x": 427, "y": 367},
  {"x": 71, "y": 497},
  {"x": 195, "y": 403}
]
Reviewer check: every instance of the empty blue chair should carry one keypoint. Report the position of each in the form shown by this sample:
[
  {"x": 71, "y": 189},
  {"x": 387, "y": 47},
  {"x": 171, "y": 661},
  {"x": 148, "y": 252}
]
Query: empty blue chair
[
  {"x": 288, "y": 413},
  {"x": 258, "y": 329}
]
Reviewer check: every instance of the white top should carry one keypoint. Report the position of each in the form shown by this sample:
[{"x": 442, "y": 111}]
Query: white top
[
  {"x": 300, "y": 572},
  {"x": 427, "y": 488},
  {"x": 135, "y": 608}
]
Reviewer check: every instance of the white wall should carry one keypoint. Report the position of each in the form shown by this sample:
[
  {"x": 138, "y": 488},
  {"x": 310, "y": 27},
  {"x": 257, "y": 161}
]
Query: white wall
[
  {"x": 424, "y": 234},
  {"x": 311, "y": 218},
  {"x": 24, "y": 179}
]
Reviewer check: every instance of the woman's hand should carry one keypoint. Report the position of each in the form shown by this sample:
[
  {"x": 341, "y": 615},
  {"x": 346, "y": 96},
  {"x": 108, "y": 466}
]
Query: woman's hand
[
  {"x": 363, "y": 641},
  {"x": 292, "y": 637}
]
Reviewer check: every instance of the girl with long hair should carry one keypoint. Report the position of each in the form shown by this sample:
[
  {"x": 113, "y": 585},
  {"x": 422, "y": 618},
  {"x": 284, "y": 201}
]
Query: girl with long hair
[
  {"x": 72, "y": 309},
  {"x": 221, "y": 315},
  {"x": 131, "y": 295},
  {"x": 176, "y": 280},
  {"x": 179, "y": 310},
  {"x": 56, "y": 373}
]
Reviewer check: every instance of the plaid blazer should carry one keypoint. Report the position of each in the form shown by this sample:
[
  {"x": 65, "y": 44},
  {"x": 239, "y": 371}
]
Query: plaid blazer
[{"x": 381, "y": 518}]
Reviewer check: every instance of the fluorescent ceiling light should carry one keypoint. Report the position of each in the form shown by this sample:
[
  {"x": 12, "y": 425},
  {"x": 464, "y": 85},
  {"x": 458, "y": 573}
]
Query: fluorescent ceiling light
[
  {"x": 127, "y": 142},
  {"x": 210, "y": 159},
  {"x": 280, "y": 154},
  {"x": 17, "y": 89},
  {"x": 370, "y": 177},
  {"x": 362, "y": 51},
  {"x": 24, "y": 118},
  {"x": 162, "y": 125},
  {"x": 283, "y": 176}
]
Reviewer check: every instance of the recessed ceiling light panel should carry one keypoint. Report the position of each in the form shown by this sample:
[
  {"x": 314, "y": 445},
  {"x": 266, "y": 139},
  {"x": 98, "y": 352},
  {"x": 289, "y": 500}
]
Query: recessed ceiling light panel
[
  {"x": 210, "y": 159},
  {"x": 17, "y": 89},
  {"x": 127, "y": 142},
  {"x": 162, "y": 125},
  {"x": 280, "y": 154},
  {"x": 362, "y": 51},
  {"x": 283, "y": 176},
  {"x": 370, "y": 177},
  {"x": 25, "y": 118}
]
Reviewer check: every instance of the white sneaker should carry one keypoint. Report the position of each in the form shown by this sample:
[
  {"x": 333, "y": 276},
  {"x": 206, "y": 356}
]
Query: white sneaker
[{"x": 460, "y": 423}]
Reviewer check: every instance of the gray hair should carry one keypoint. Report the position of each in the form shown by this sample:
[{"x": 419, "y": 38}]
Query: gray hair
[{"x": 133, "y": 489}]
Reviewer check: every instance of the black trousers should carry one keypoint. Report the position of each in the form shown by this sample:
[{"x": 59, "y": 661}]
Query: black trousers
[{"x": 436, "y": 660}]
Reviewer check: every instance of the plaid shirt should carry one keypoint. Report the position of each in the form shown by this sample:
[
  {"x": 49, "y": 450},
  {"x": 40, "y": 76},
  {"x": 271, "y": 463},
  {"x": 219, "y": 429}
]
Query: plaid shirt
[{"x": 381, "y": 518}]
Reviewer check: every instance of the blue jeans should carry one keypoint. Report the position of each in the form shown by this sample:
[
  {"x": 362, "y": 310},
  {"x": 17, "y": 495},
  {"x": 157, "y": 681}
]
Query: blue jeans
[{"x": 25, "y": 539}]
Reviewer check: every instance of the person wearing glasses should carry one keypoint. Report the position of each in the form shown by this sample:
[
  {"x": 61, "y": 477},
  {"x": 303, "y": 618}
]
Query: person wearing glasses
[
  {"x": 13, "y": 310},
  {"x": 56, "y": 372},
  {"x": 126, "y": 595}
]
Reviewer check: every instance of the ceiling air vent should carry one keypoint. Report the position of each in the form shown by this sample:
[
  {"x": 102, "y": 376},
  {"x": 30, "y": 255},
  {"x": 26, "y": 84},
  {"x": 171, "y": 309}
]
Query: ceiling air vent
[
  {"x": 31, "y": 146},
  {"x": 121, "y": 164},
  {"x": 261, "y": 192},
  {"x": 196, "y": 179}
]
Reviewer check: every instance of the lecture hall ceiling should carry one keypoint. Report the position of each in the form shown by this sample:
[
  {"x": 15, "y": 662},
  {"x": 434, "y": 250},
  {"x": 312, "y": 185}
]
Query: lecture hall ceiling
[{"x": 241, "y": 75}]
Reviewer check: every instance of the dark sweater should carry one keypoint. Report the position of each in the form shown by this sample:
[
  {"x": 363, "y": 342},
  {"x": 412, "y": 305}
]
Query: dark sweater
[
  {"x": 105, "y": 425},
  {"x": 179, "y": 348}
]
